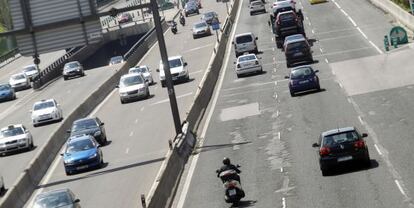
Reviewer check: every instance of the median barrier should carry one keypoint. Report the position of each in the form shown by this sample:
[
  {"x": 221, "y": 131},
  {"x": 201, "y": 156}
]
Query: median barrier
[
  {"x": 400, "y": 14},
  {"x": 28, "y": 181}
]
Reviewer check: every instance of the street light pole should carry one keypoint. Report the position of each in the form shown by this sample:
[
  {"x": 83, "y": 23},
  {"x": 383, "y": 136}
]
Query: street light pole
[{"x": 166, "y": 66}]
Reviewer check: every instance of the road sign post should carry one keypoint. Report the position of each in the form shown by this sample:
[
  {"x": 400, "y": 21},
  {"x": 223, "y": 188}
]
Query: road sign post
[
  {"x": 215, "y": 25},
  {"x": 386, "y": 43}
]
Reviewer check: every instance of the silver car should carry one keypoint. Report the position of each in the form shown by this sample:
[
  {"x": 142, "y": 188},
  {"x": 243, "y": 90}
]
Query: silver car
[
  {"x": 145, "y": 71},
  {"x": 14, "y": 138},
  {"x": 19, "y": 81},
  {"x": 257, "y": 6},
  {"x": 72, "y": 69},
  {"x": 133, "y": 86},
  {"x": 63, "y": 198},
  {"x": 201, "y": 29},
  {"x": 31, "y": 71}
]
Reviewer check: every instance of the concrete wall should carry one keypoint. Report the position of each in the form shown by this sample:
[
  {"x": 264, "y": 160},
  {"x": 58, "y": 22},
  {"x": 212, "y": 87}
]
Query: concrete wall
[
  {"x": 28, "y": 181},
  {"x": 400, "y": 14}
]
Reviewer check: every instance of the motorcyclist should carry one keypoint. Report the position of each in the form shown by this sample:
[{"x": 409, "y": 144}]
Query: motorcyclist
[
  {"x": 182, "y": 19},
  {"x": 228, "y": 166}
]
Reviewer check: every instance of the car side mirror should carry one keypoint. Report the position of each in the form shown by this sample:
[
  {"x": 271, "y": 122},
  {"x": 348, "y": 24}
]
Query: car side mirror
[
  {"x": 316, "y": 71},
  {"x": 98, "y": 146},
  {"x": 76, "y": 201},
  {"x": 116, "y": 86},
  {"x": 102, "y": 123},
  {"x": 364, "y": 135},
  {"x": 287, "y": 77},
  {"x": 257, "y": 38},
  {"x": 185, "y": 64},
  {"x": 61, "y": 154},
  {"x": 157, "y": 70},
  {"x": 315, "y": 145},
  {"x": 238, "y": 166},
  {"x": 232, "y": 42}
]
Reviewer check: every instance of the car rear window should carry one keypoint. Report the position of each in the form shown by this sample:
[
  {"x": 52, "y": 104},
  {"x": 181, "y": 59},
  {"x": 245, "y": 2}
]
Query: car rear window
[
  {"x": 244, "y": 39},
  {"x": 339, "y": 138},
  {"x": 247, "y": 58},
  {"x": 300, "y": 45},
  {"x": 301, "y": 72},
  {"x": 287, "y": 17}
]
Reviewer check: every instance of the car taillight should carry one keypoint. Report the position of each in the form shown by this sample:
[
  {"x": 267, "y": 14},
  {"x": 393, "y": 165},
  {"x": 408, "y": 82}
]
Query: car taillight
[
  {"x": 324, "y": 151},
  {"x": 360, "y": 144}
]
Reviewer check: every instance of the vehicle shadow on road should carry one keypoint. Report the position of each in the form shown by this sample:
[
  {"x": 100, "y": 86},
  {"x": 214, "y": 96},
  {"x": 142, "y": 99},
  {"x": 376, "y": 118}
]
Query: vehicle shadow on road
[
  {"x": 253, "y": 74},
  {"x": 351, "y": 168},
  {"x": 247, "y": 203},
  {"x": 18, "y": 152},
  {"x": 308, "y": 92},
  {"x": 98, "y": 173},
  {"x": 207, "y": 148}
]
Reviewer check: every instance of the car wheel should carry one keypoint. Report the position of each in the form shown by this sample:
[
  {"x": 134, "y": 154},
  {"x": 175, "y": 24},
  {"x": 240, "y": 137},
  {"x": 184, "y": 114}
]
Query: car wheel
[
  {"x": 101, "y": 164},
  {"x": 288, "y": 65},
  {"x": 292, "y": 94},
  {"x": 148, "y": 94},
  {"x": 65, "y": 78},
  {"x": 31, "y": 146},
  {"x": 35, "y": 125},
  {"x": 256, "y": 51},
  {"x": 318, "y": 87},
  {"x": 251, "y": 13},
  {"x": 68, "y": 172},
  {"x": 122, "y": 101},
  {"x": 238, "y": 75},
  {"x": 261, "y": 70},
  {"x": 186, "y": 15},
  {"x": 325, "y": 172},
  {"x": 162, "y": 83},
  {"x": 14, "y": 97},
  {"x": 278, "y": 44},
  {"x": 2, "y": 189}
]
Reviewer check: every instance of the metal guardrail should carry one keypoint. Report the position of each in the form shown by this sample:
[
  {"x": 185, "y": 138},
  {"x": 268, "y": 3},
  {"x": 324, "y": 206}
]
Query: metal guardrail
[{"x": 9, "y": 55}]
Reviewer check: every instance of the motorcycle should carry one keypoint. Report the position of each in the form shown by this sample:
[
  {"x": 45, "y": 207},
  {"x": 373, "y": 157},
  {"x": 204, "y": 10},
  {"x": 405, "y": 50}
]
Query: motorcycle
[
  {"x": 174, "y": 29},
  {"x": 233, "y": 189},
  {"x": 182, "y": 20}
]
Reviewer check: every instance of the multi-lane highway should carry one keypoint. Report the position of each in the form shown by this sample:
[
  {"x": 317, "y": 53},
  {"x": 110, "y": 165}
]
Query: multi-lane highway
[
  {"x": 254, "y": 120},
  {"x": 139, "y": 131}
]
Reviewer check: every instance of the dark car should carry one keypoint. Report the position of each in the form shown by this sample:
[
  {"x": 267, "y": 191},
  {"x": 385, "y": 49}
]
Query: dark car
[
  {"x": 56, "y": 198},
  {"x": 209, "y": 17},
  {"x": 7, "y": 92},
  {"x": 89, "y": 126},
  {"x": 298, "y": 51},
  {"x": 341, "y": 145},
  {"x": 288, "y": 23},
  {"x": 191, "y": 8},
  {"x": 303, "y": 78}
]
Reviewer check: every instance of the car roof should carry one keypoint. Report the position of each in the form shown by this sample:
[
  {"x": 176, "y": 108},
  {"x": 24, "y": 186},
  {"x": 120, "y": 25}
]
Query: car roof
[
  {"x": 296, "y": 40},
  {"x": 86, "y": 118},
  {"x": 286, "y": 12},
  {"x": 43, "y": 101},
  {"x": 256, "y": 1},
  {"x": 281, "y": 4},
  {"x": 20, "y": 73},
  {"x": 243, "y": 34},
  {"x": 80, "y": 137},
  {"x": 198, "y": 22},
  {"x": 77, "y": 62},
  {"x": 12, "y": 126},
  {"x": 338, "y": 130},
  {"x": 65, "y": 190},
  {"x": 250, "y": 54},
  {"x": 130, "y": 75},
  {"x": 175, "y": 57}
]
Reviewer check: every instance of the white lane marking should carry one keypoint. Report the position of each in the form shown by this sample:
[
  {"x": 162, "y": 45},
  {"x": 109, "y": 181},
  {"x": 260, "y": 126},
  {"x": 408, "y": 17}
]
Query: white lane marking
[
  {"x": 273, "y": 39},
  {"x": 274, "y": 69},
  {"x": 127, "y": 150},
  {"x": 209, "y": 116},
  {"x": 321, "y": 50},
  {"x": 376, "y": 47},
  {"x": 283, "y": 202},
  {"x": 343, "y": 11},
  {"x": 281, "y": 169},
  {"x": 102, "y": 103},
  {"x": 313, "y": 31},
  {"x": 248, "y": 86},
  {"x": 131, "y": 134},
  {"x": 326, "y": 60},
  {"x": 307, "y": 18},
  {"x": 142, "y": 108},
  {"x": 136, "y": 121},
  {"x": 198, "y": 48},
  {"x": 273, "y": 49},
  {"x": 360, "y": 120},
  {"x": 363, "y": 34},
  {"x": 167, "y": 100},
  {"x": 196, "y": 72},
  {"x": 337, "y": 5},
  {"x": 349, "y": 100},
  {"x": 278, "y": 135},
  {"x": 277, "y": 113},
  {"x": 309, "y": 23},
  {"x": 352, "y": 21},
  {"x": 275, "y": 83},
  {"x": 400, "y": 187},
  {"x": 377, "y": 148},
  {"x": 340, "y": 85}
]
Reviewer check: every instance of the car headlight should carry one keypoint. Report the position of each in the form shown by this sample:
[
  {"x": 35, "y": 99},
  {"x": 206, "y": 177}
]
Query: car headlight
[
  {"x": 2, "y": 145},
  {"x": 184, "y": 72},
  {"x": 68, "y": 162},
  {"x": 98, "y": 133},
  {"x": 93, "y": 156},
  {"x": 22, "y": 140},
  {"x": 123, "y": 94}
]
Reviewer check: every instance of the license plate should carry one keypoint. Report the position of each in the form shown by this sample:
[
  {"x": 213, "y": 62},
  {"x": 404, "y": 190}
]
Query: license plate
[
  {"x": 232, "y": 192},
  {"x": 346, "y": 158},
  {"x": 81, "y": 167},
  {"x": 174, "y": 78},
  {"x": 303, "y": 82}
]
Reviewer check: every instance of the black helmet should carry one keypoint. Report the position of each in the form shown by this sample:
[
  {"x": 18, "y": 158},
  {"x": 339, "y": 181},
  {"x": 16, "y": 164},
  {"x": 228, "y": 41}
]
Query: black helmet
[{"x": 226, "y": 161}]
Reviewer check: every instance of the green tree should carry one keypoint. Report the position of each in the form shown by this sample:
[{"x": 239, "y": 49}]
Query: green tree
[{"x": 5, "y": 17}]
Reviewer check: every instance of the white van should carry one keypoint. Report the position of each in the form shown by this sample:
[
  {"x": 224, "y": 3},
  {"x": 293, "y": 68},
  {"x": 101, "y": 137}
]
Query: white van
[
  {"x": 245, "y": 42},
  {"x": 178, "y": 69}
]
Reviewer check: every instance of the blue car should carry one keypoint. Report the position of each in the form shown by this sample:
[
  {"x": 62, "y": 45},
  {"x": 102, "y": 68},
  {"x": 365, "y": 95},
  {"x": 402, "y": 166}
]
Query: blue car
[
  {"x": 7, "y": 92},
  {"x": 82, "y": 152},
  {"x": 303, "y": 78}
]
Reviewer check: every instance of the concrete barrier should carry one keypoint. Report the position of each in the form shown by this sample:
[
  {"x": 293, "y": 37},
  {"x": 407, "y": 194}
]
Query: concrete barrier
[
  {"x": 400, "y": 14},
  {"x": 19, "y": 193},
  {"x": 173, "y": 166}
]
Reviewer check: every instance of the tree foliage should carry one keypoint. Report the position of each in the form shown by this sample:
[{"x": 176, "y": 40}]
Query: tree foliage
[{"x": 5, "y": 17}]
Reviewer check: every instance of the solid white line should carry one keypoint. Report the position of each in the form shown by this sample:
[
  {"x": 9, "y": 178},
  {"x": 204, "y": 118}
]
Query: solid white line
[
  {"x": 208, "y": 119},
  {"x": 349, "y": 100},
  {"x": 321, "y": 50},
  {"x": 376, "y": 47},
  {"x": 337, "y": 5},
  {"x": 278, "y": 135},
  {"x": 352, "y": 21},
  {"x": 346, "y": 14},
  {"x": 360, "y": 120},
  {"x": 400, "y": 187},
  {"x": 283, "y": 202},
  {"x": 102, "y": 103},
  {"x": 363, "y": 34},
  {"x": 377, "y": 148},
  {"x": 326, "y": 60}
]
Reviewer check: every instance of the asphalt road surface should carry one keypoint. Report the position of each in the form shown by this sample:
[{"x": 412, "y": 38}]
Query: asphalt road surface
[
  {"x": 138, "y": 131},
  {"x": 256, "y": 122}
]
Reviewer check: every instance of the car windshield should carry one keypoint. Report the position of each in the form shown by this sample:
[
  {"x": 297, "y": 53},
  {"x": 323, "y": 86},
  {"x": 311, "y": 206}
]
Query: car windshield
[
  {"x": 200, "y": 25},
  {"x": 244, "y": 39},
  {"x": 138, "y": 70},
  {"x": 301, "y": 73},
  {"x": 29, "y": 68},
  {"x": 84, "y": 124},
  {"x": 247, "y": 58},
  {"x": 79, "y": 145},
  {"x": 43, "y": 105},
  {"x": 131, "y": 80},
  {"x": 342, "y": 137},
  {"x": 71, "y": 65},
  {"x": 4, "y": 87},
  {"x": 12, "y": 132},
  {"x": 190, "y": 5},
  {"x": 58, "y": 199},
  {"x": 175, "y": 63},
  {"x": 117, "y": 59},
  {"x": 18, "y": 76},
  {"x": 256, "y": 3},
  {"x": 209, "y": 15}
]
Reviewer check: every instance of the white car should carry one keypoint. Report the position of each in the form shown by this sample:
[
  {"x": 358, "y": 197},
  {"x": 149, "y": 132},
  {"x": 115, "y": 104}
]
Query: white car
[
  {"x": 178, "y": 70},
  {"x": 248, "y": 64},
  {"x": 2, "y": 187},
  {"x": 31, "y": 71},
  {"x": 19, "y": 81},
  {"x": 145, "y": 71},
  {"x": 283, "y": 3},
  {"x": 257, "y": 6},
  {"x": 132, "y": 86},
  {"x": 14, "y": 138},
  {"x": 45, "y": 111}
]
